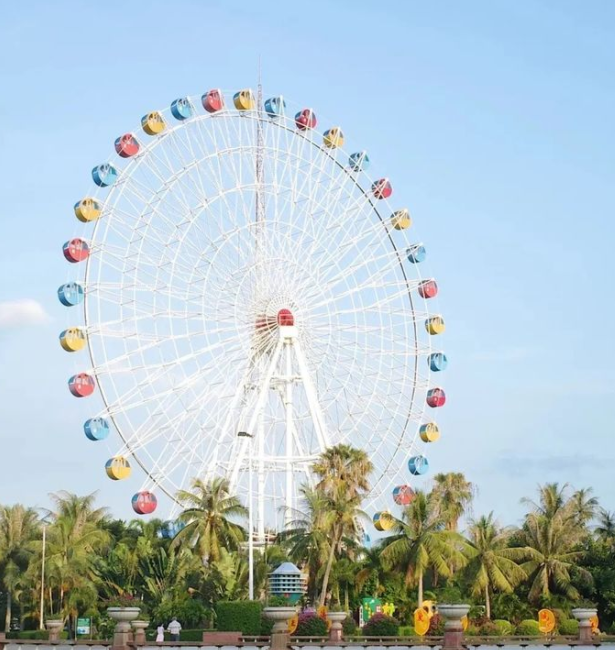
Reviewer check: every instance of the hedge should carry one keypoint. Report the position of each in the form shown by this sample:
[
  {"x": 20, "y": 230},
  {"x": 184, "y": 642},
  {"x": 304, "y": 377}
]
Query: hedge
[
  {"x": 266, "y": 626},
  {"x": 239, "y": 616},
  {"x": 34, "y": 635},
  {"x": 185, "y": 635},
  {"x": 407, "y": 630}
]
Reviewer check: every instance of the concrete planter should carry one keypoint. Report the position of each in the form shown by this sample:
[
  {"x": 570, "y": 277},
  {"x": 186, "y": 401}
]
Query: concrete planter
[
  {"x": 453, "y": 614},
  {"x": 54, "y": 626},
  {"x": 123, "y": 614},
  {"x": 336, "y": 618},
  {"x": 583, "y": 614},
  {"x": 139, "y": 628},
  {"x": 453, "y": 630},
  {"x": 280, "y": 617}
]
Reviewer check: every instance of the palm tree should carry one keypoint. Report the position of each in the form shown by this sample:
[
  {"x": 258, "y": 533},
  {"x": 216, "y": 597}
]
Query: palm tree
[
  {"x": 606, "y": 526},
  {"x": 551, "y": 499},
  {"x": 74, "y": 542},
  {"x": 306, "y": 537},
  {"x": 551, "y": 554},
  {"x": 421, "y": 540},
  {"x": 80, "y": 510},
  {"x": 491, "y": 567},
  {"x": 343, "y": 473},
  {"x": 18, "y": 528},
  {"x": 453, "y": 495},
  {"x": 372, "y": 570},
  {"x": 584, "y": 507},
  {"x": 207, "y": 518}
]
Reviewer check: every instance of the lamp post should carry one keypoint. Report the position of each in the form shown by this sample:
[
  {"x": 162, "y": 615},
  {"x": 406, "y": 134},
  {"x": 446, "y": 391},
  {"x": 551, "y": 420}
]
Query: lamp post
[
  {"x": 41, "y": 623},
  {"x": 245, "y": 434}
]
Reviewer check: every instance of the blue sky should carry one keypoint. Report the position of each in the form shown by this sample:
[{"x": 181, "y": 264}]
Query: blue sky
[{"x": 493, "y": 119}]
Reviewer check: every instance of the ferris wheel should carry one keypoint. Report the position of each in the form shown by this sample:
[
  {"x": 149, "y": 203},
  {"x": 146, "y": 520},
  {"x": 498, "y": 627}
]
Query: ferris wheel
[{"x": 250, "y": 297}]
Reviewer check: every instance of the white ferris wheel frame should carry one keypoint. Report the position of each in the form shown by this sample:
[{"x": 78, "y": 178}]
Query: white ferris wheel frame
[{"x": 283, "y": 367}]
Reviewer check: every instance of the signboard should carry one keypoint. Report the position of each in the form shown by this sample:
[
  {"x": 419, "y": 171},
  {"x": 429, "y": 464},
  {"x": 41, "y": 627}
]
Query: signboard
[
  {"x": 369, "y": 607},
  {"x": 83, "y": 626}
]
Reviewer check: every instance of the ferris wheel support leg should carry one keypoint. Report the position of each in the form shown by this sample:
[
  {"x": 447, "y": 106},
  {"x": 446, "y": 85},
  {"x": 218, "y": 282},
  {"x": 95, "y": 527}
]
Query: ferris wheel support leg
[
  {"x": 310, "y": 391},
  {"x": 263, "y": 392},
  {"x": 261, "y": 477},
  {"x": 288, "y": 405}
]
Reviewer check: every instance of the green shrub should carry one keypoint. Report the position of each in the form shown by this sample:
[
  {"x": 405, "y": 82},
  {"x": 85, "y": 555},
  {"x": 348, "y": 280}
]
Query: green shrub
[
  {"x": 502, "y": 627},
  {"x": 311, "y": 625},
  {"x": 569, "y": 627},
  {"x": 529, "y": 627},
  {"x": 488, "y": 628},
  {"x": 436, "y": 625},
  {"x": 34, "y": 635},
  {"x": 406, "y": 630},
  {"x": 266, "y": 626},
  {"x": 472, "y": 630},
  {"x": 239, "y": 616},
  {"x": 381, "y": 625},
  {"x": 349, "y": 627}
]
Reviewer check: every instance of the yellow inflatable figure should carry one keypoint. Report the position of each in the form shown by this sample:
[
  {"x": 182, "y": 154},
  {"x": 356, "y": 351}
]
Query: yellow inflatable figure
[
  {"x": 546, "y": 621},
  {"x": 421, "y": 621},
  {"x": 293, "y": 624}
]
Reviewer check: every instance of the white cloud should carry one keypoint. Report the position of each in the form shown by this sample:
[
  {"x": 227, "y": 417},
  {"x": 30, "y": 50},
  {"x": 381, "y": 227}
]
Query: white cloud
[{"x": 17, "y": 313}]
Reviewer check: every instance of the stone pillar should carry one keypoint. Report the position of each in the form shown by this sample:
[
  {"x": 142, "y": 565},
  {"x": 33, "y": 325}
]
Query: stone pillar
[
  {"x": 139, "y": 631},
  {"x": 584, "y": 615},
  {"x": 121, "y": 635},
  {"x": 280, "y": 640},
  {"x": 54, "y": 626},
  {"x": 453, "y": 628}
]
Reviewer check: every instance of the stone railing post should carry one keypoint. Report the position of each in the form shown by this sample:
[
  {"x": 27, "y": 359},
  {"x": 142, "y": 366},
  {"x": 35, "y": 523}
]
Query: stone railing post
[
  {"x": 584, "y": 615},
  {"x": 54, "y": 627},
  {"x": 453, "y": 628}
]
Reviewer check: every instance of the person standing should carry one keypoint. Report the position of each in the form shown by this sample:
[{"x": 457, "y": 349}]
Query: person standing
[
  {"x": 174, "y": 628},
  {"x": 160, "y": 633}
]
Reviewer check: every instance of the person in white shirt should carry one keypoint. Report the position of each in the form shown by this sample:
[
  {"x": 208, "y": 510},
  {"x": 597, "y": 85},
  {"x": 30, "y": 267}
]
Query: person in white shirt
[{"x": 174, "y": 628}]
